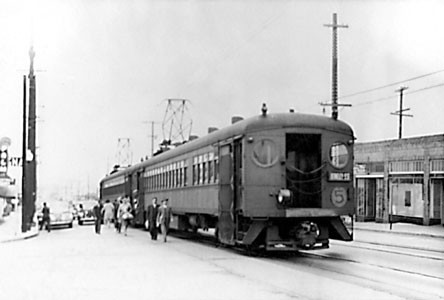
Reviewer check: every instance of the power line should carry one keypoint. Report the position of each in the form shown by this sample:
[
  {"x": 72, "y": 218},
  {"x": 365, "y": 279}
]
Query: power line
[
  {"x": 391, "y": 84},
  {"x": 391, "y": 97}
]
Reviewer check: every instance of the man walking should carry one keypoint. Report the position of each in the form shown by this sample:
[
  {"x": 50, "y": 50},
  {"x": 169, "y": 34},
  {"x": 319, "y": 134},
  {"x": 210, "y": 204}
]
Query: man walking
[
  {"x": 97, "y": 211},
  {"x": 151, "y": 216},
  {"x": 164, "y": 218},
  {"x": 46, "y": 219}
]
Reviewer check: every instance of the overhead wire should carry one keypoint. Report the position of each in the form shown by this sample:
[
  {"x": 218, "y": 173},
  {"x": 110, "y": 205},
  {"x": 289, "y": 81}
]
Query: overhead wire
[{"x": 391, "y": 84}]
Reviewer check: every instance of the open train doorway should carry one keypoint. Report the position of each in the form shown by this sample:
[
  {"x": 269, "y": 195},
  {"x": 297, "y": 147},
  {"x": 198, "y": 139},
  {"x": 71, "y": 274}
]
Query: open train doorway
[{"x": 304, "y": 169}]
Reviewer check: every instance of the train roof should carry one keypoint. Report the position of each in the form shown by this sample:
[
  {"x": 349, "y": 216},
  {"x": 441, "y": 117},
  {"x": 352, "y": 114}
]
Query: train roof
[{"x": 250, "y": 125}]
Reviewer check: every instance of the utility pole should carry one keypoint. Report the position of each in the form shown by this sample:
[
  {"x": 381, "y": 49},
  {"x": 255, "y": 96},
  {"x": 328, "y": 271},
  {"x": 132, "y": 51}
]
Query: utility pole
[
  {"x": 401, "y": 110},
  {"x": 32, "y": 174},
  {"x": 334, "y": 90},
  {"x": 24, "y": 162}
]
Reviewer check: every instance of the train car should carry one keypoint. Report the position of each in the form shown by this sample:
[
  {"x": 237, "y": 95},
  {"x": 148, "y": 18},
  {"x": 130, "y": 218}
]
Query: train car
[{"x": 274, "y": 181}]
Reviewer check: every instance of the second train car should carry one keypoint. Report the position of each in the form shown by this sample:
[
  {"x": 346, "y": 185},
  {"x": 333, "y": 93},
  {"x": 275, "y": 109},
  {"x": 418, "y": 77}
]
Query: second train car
[{"x": 274, "y": 181}]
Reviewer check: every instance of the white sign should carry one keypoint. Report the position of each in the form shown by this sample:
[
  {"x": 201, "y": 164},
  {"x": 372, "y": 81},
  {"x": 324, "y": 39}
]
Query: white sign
[{"x": 15, "y": 161}]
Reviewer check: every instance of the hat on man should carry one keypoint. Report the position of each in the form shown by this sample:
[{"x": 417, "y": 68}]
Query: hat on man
[{"x": 165, "y": 200}]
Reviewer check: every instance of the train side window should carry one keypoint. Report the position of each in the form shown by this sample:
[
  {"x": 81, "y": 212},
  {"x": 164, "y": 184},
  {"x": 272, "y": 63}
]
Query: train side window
[
  {"x": 194, "y": 173},
  {"x": 204, "y": 172},
  {"x": 210, "y": 171},
  {"x": 216, "y": 169}
]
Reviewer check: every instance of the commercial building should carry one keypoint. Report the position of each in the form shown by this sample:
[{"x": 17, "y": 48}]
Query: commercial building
[{"x": 400, "y": 180}]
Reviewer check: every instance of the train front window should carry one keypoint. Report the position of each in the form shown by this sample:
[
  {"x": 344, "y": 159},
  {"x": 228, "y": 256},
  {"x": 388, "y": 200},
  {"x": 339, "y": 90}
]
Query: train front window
[
  {"x": 339, "y": 155},
  {"x": 304, "y": 169}
]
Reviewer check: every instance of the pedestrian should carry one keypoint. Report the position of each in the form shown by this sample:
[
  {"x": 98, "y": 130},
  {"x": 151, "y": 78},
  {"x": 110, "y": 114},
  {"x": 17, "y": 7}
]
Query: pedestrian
[
  {"x": 108, "y": 212},
  {"x": 125, "y": 214},
  {"x": 164, "y": 218},
  {"x": 97, "y": 211},
  {"x": 151, "y": 217},
  {"x": 116, "y": 215},
  {"x": 46, "y": 219}
]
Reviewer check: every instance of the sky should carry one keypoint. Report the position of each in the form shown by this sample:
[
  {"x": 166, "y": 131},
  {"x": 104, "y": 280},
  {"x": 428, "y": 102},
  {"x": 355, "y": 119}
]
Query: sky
[{"x": 104, "y": 70}]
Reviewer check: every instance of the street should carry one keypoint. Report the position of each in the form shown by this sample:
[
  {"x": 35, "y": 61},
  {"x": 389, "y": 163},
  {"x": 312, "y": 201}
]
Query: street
[{"x": 77, "y": 263}]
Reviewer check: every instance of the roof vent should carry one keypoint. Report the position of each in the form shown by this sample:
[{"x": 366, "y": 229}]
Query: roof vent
[
  {"x": 236, "y": 119},
  {"x": 212, "y": 129}
]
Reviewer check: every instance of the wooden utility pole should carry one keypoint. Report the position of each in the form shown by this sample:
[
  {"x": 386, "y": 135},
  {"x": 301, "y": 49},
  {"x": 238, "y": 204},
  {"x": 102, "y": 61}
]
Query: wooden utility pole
[
  {"x": 24, "y": 164},
  {"x": 31, "y": 178},
  {"x": 401, "y": 110},
  {"x": 334, "y": 90}
]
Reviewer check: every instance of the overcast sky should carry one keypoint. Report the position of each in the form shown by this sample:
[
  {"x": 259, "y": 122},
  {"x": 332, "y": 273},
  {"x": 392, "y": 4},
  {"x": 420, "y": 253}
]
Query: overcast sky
[{"x": 105, "y": 68}]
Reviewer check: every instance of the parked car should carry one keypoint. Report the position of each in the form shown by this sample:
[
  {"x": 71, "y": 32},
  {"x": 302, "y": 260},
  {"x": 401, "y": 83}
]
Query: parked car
[
  {"x": 60, "y": 214},
  {"x": 85, "y": 212}
]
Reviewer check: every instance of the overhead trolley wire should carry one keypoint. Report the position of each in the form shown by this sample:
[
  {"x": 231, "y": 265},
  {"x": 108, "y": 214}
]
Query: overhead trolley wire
[
  {"x": 391, "y": 84},
  {"x": 396, "y": 96}
]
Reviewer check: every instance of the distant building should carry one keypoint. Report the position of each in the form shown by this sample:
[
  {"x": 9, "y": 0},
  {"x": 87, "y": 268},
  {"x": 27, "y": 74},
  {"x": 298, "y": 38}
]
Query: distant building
[{"x": 400, "y": 180}]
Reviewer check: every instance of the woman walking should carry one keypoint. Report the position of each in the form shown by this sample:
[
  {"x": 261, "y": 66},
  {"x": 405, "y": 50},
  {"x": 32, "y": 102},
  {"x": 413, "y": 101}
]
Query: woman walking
[{"x": 125, "y": 214}]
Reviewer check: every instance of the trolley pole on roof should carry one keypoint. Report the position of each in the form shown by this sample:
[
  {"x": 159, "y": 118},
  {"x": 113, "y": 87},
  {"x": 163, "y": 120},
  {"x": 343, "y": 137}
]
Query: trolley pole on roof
[
  {"x": 401, "y": 110},
  {"x": 334, "y": 90}
]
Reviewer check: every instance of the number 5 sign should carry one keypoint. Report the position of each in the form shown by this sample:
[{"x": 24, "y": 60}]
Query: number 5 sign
[{"x": 339, "y": 196}]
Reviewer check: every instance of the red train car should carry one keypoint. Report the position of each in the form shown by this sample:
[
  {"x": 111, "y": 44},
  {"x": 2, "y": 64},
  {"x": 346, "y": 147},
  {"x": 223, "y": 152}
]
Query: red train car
[{"x": 273, "y": 181}]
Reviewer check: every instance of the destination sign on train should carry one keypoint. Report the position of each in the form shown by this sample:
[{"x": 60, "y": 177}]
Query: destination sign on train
[{"x": 339, "y": 176}]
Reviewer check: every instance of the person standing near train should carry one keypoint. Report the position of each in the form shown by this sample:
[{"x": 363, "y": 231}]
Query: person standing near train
[
  {"x": 97, "y": 211},
  {"x": 125, "y": 215},
  {"x": 151, "y": 217},
  {"x": 164, "y": 218},
  {"x": 107, "y": 212},
  {"x": 116, "y": 215}
]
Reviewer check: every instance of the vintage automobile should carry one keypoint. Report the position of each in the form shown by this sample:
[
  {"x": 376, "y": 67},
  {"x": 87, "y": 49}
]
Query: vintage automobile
[
  {"x": 60, "y": 214},
  {"x": 85, "y": 212}
]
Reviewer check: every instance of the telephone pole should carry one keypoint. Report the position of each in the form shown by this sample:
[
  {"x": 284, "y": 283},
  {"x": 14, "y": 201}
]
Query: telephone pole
[
  {"x": 25, "y": 193},
  {"x": 334, "y": 89},
  {"x": 401, "y": 110},
  {"x": 29, "y": 177}
]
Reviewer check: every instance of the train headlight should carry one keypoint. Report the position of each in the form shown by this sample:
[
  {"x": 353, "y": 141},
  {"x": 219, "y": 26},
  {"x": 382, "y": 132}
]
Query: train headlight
[{"x": 283, "y": 196}]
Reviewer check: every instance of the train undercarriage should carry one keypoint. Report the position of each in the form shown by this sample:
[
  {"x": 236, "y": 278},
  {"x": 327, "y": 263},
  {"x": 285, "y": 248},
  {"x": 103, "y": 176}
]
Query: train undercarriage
[{"x": 272, "y": 234}]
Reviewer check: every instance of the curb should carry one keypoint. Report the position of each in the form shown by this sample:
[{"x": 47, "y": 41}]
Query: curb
[
  {"x": 24, "y": 236},
  {"x": 401, "y": 233}
]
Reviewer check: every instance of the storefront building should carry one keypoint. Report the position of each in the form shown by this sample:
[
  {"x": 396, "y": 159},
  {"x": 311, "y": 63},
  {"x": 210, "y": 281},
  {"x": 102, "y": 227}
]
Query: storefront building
[{"x": 400, "y": 180}]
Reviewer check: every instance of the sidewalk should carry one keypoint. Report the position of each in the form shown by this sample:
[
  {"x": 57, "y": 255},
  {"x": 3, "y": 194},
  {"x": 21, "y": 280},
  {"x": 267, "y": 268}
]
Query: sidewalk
[
  {"x": 10, "y": 228},
  {"x": 435, "y": 231}
]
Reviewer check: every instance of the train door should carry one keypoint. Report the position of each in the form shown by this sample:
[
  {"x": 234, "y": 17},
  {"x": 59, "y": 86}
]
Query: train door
[
  {"x": 139, "y": 199},
  {"x": 230, "y": 164}
]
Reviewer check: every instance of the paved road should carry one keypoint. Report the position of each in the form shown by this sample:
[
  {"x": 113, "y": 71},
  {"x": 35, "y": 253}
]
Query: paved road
[{"x": 78, "y": 264}]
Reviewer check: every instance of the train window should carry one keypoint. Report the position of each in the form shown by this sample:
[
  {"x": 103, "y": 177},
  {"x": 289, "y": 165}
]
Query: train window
[
  {"x": 265, "y": 153},
  {"x": 204, "y": 172},
  {"x": 194, "y": 174},
  {"x": 210, "y": 171},
  {"x": 339, "y": 155},
  {"x": 216, "y": 169}
]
